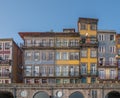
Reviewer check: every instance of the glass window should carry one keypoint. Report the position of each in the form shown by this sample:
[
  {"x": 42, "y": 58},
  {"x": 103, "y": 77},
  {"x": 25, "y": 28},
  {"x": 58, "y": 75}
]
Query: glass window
[
  {"x": 83, "y": 26},
  {"x": 111, "y": 37},
  {"x": 119, "y": 63},
  {"x": 112, "y": 74},
  {"x": 65, "y": 70},
  {"x": 93, "y": 26},
  {"x": 51, "y": 42},
  {"x": 50, "y": 56},
  {"x": 44, "y": 81},
  {"x": 36, "y": 56},
  {"x": 64, "y": 55},
  {"x": 51, "y": 71},
  {"x": 7, "y": 45},
  {"x": 58, "y": 81},
  {"x": 44, "y": 70},
  {"x": 93, "y": 80},
  {"x": 93, "y": 53},
  {"x": 83, "y": 68},
  {"x": 58, "y": 43},
  {"x": 43, "y": 56},
  {"x": 93, "y": 68},
  {"x": 112, "y": 49},
  {"x": 77, "y": 70},
  {"x": 7, "y": 57},
  {"x": 28, "y": 71},
  {"x": 58, "y": 70},
  {"x": 102, "y": 74},
  {"x": 28, "y": 42},
  {"x": 83, "y": 53},
  {"x": 65, "y": 43},
  {"x": 94, "y": 93},
  {"x": 119, "y": 75},
  {"x": 58, "y": 56},
  {"x": 0, "y": 46},
  {"x": 102, "y": 49},
  {"x": 72, "y": 71},
  {"x": 83, "y": 80},
  {"x": 101, "y": 37},
  {"x": 36, "y": 71},
  {"x": 119, "y": 52},
  {"x": 44, "y": 42},
  {"x": 28, "y": 55},
  {"x": 118, "y": 40}
]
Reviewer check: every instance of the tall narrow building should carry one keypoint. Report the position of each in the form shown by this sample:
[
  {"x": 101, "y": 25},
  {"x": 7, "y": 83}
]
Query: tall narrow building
[
  {"x": 87, "y": 28},
  {"x": 107, "y": 64},
  {"x": 10, "y": 62}
]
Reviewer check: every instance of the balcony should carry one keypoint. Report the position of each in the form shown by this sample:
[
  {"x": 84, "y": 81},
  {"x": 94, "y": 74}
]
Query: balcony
[
  {"x": 92, "y": 73},
  {"x": 107, "y": 64},
  {"x": 5, "y": 62},
  {"x": 89, "y": 41},
  {"x": 73, "y": 45},
  {"x": 5, "y": 75}
]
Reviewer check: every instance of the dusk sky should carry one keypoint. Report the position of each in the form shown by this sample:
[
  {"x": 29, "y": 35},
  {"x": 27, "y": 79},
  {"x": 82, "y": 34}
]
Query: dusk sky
[{"x": 45, "y": 15}]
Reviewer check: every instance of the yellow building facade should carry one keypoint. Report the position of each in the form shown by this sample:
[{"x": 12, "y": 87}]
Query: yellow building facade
[{"x": 87, "y": 28}]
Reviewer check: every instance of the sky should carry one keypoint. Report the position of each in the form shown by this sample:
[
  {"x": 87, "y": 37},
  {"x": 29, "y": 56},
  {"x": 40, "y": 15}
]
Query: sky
[{"x": 46, "y": 15}]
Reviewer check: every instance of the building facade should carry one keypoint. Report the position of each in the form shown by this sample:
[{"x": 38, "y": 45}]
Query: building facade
[
  {"x": 86, "y": 56},
  {"x": 87, "y": 28},
  {"x": 107, "y": 64},
  {"x": 10, "y": 62}
]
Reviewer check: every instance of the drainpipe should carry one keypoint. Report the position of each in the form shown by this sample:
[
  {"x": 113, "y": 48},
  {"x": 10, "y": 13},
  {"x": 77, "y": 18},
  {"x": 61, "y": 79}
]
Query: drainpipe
[{"x": 103, "y": 91}]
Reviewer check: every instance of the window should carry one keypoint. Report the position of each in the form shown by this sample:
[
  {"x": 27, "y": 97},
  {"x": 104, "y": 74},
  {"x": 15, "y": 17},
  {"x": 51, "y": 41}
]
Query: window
[
  {"x": 65, "y": 43},
  {"x": 36, "y": 71},
  {"x": 83, "y": 80},
  {"x": 93, "y": 53},
  {"x": 111, "y": 37},
  {"x": 83, "y": 53},
  {"x": 58, "y": 81},
  {"x": 72, "y": 43},
  {"x": 58, "y": 57},
  {"x": 93, "y": 80},
  {"x": 7, "y": 57},
  {"x": 112, "y": 49},
  {"x": 65, "y": 70},
  {"x": 83, "y": 26},
  {"x": 0, "y": 46},
  {"x": 111, "y": 61},
  {"x": 28, "y": 42},
  {"x": 43, "y": 70},
  {"x": 118, "y": 63},
  {"x": 51, "y": 71},
  {"x": 44, "y": 81},
  {"x": 44, "y": 42},
  {"x": 58, "y": 70},
  {"x": 28, "y": 71},
  {"x": 93, "y": 26},
  {"x": 28, "y": 56},
  {"x": 64, "y": 55},
  {"x": 94, "y": 93},
  {"x": 7, "y": 45},
  {"x": 102, "y": 74},
  {"x": 58, "y": 43},
  {"x": 119, "y": 52},
  {"x": 83, "y": 68},
  {"x": 51, "y": 42},
  {"x": 74, "y": 56},
  {"x": 50, "y": 56},
  {"x": 36, "y": 56},
  {"x": 102, "y": 49},
  {"x": 93, "y": 68},
  {"x": 112, "y": 74},
  {"x": 77, "y": 70},
  {"x": 101, "y": 37},
  {"x": 43, "y": 56},
  {"x": 72, "y": 71}
]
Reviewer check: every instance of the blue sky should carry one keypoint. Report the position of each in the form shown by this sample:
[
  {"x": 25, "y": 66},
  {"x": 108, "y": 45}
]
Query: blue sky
[{"x": 44, "y": 15}]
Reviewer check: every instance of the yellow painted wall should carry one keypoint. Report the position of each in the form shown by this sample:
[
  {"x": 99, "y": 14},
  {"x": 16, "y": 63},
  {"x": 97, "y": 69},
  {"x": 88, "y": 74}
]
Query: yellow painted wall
[{"x": 67, "y": 62}]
